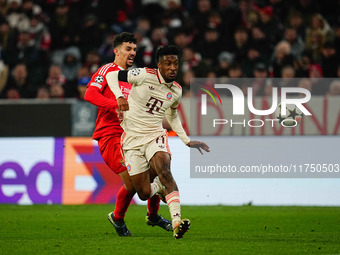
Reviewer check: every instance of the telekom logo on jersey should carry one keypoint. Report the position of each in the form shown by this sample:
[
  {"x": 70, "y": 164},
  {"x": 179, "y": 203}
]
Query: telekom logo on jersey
[
  {"x": 153, "y": 106},
  {"x": 238, "y": 100}
]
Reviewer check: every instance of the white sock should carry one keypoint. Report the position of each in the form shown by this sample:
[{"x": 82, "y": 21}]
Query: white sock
[
  {"x": 155, "y": 188},
  {"x": 174, "y": 206}
]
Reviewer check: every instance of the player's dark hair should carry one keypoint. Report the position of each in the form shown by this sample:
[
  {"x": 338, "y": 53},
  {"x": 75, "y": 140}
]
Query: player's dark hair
[
  {"x": 167, "y": 50},
  {"x": 124, "y": 37}
]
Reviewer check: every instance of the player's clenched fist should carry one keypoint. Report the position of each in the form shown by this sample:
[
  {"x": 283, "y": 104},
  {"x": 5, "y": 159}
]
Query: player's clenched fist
[{"x": 123, "y": 104}]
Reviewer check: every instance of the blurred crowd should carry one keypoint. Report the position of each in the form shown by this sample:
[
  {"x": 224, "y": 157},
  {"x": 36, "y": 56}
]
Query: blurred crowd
[{"x": 51, "y": 48}]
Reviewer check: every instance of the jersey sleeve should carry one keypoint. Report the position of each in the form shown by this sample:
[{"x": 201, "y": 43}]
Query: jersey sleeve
[
  {"x": 136, "y": 76},
  {"x": 98, "y": 81}
]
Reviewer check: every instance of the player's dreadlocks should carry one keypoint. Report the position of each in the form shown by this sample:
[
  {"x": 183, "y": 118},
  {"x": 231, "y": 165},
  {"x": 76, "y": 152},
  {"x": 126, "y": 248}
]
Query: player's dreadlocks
[
  {"x": 123, "y": 37},
  {"x": 167, "y": 50}
]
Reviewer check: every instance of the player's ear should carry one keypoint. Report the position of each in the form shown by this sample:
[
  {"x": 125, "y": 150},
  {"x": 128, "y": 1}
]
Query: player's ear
[
  {"x": 115, "y": 50},
  {"x": 159, "y": 64}
]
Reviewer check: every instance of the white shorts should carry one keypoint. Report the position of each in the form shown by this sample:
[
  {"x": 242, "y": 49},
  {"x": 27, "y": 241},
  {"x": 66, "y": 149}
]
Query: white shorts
[{"x": 138, "y": 150}]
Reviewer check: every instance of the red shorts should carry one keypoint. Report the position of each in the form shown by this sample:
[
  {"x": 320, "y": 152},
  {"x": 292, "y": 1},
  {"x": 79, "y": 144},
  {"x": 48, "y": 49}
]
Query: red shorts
[{"x": 110, "y": 149}]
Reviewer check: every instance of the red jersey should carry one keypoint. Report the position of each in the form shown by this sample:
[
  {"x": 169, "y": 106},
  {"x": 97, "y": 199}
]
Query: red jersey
[{"x": 99, "y": 93}]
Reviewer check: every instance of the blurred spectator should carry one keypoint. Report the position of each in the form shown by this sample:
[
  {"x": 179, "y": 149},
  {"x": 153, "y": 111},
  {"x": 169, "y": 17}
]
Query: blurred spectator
[
  {"x": 260, "y": 82},
  {"x": 26, "y": 52},
  {"x": 8, "y": 36},
  {"x": 235, "y": 71},
  {"x": 192, "y": 62},
  {"x": 3, "y": 8},
  {"x": 253, "y": 57},
  {"x": 319, "y": 23},
  {"x": 247, "y": 11},
  {"x": 71, "y": 63},
  {"x": 224, "y": 60},
  {"x": 200, "y": 16},
  {"x": 329, "y": 60},
  {"x": 230, "y": 19},
  {"x": 158, "y": 38},
  {"x": 88, "y": 31},
  {"x": 15, "y": 17},
  {"x": 320, "y": 86},
  {"x": 30, "y": 9},
  {"x": 185, "y": 83},
  {"x": 57, "y": 91},
  {"x": 55, "y": 76},
  {"x": 39, "y": 33},
  {"x": 3, "y": 76},
  {"x": 295, "y": 20},
  {"x": 105, "y": 50},
  {"x": 13, "y": 93},
  {"x": 281, "y": 9},
  {"x": 43, "y": 93},
  {"x": 287, "y": 72},
  {"x": 307, "y": 7},
  {"x": 144, "y": 49},
  {"x": 210, "y": 46},
  {"x": 70, "y": 67},
  {"x": 337, "y": 40},
  {"x": 240, "y": 44},
  {"x": 314, "y": 43},
  {"x": 334, "y": 89},
  {"x": 282, "y": 57},
  {"x": 92, "y": 62},
  {"x": 83, "y": 79},
  {"x": 174, "y": 15},
  {"x": 19, "y": 80},
  {"x": 143, "y": 24},
  {"x": 181, "y": 40},
  {"x": 296, "y": 44},
  {"x": 302, "y": 68},
  {"x": 305, "y": 84},
  {"x": 270, "y": 25},
  {"x": 64, "y": 26},
  {"x": 82, "y": 83},
  {"x": 260, "y": 42}
]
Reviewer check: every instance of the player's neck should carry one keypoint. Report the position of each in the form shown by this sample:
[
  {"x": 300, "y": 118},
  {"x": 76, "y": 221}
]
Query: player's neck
[{"x": 121, "y": 64}]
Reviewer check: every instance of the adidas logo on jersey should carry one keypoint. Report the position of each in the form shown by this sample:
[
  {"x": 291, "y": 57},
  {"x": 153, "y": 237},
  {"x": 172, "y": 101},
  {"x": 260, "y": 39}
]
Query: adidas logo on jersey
[{"x": 151, "y": 88}]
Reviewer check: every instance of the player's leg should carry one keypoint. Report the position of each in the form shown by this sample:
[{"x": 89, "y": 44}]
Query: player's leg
[
  {"x": 124, "y": 197},
  {"x": 153, "y": 218},
  {"x": 159, "y": 156},
  {"x": 161, "y": 163},
  {"x": 110, "y": 150}
]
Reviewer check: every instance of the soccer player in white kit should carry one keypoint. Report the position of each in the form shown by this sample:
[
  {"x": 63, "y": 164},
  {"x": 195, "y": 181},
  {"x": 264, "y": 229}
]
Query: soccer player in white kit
[{"x": 154, "y": 94}]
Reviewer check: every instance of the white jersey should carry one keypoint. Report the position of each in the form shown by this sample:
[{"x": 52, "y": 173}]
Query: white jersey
[{"x": 150, "y": 97}]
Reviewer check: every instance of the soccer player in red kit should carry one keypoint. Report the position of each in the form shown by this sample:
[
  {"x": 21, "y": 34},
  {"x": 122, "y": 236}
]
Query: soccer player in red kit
[{"x": 108, "y": 133}]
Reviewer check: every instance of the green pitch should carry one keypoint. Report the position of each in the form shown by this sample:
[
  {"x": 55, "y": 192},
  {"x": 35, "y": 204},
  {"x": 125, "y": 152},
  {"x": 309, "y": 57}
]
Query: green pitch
[{"x": 56, "y": 229}]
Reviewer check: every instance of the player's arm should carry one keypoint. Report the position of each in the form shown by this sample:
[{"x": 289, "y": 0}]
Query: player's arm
[
  {"x": 176, "y": 125},
  {"x": 132, "y": 76},
  {"x": 93, "y": 96}
]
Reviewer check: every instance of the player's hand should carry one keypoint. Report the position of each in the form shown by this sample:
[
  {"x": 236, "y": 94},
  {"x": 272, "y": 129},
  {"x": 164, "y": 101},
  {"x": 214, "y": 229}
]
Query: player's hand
[
  {"x": 199, "y": 145},
  {"x": 120, "y": 115},
  {"x": 123, "y": 104}
]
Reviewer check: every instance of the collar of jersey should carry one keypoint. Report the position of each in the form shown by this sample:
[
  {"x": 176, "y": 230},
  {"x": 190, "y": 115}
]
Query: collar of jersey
[{"x": 161, "y": 79}]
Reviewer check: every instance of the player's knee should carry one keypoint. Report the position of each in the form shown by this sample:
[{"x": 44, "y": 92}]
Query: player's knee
[{"x": 144, "y": 193}]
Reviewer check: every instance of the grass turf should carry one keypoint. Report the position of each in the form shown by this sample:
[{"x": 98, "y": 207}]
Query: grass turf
[{"x": 84, "y": 229}]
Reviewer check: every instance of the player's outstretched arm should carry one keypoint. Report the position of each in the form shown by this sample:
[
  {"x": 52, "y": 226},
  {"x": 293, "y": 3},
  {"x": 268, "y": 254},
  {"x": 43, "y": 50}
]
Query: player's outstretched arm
[{"x": 199, "y": 145}]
